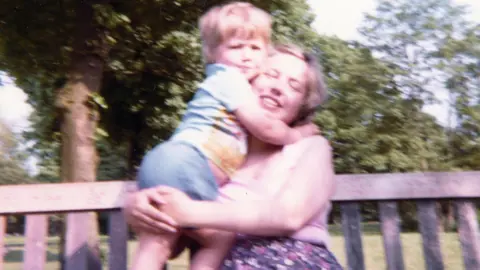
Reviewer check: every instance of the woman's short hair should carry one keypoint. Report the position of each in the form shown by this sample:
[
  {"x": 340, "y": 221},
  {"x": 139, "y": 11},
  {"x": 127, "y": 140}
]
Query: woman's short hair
[{"x": 317, "y": 91}]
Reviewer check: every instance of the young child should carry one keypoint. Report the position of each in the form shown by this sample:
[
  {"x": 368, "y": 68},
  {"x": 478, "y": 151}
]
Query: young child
[{"x": 210, "y": 144}]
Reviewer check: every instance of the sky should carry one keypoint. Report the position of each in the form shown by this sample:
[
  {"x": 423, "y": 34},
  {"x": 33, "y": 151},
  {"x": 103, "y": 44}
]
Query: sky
[
  {"x": 13, "y": 107},
  {"x": 340, "y": 18}
]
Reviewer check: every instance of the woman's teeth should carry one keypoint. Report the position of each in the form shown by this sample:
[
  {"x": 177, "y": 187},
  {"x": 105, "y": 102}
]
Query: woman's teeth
[{"x": 269, "y": 102}]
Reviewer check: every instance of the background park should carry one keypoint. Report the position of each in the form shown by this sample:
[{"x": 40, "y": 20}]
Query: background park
[{"x": 404, "y": 81}]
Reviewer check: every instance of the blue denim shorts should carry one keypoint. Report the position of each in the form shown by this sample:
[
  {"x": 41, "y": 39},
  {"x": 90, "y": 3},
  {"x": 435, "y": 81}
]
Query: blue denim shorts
[{"x": 179, "y": 165}]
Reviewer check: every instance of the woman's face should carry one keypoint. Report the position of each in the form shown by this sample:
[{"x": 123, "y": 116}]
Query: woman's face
[{"x": 282, "y": 87}]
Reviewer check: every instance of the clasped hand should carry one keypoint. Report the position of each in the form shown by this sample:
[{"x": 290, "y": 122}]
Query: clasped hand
[{"x": 157, "y": 210}]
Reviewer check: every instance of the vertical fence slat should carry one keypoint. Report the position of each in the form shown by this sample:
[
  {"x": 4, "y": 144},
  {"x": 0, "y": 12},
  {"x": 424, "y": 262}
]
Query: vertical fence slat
[
  {"x": 76, "y": 237},
  {"x": 428, "y": 224},
  {"x": 353, "y": 235},
  {"x": 390, "y": 225},
  {"x": 36, "y": 232},
  {"x": 118, "y": 236},
  {"x": 79, "y": 255},
  {"x": 3, "y": 248},
  {"x": 468, "y": 233}
]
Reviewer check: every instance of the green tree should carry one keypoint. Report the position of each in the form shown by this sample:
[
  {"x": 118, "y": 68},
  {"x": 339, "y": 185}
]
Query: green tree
[
  {"x": 12, "y": 169},
  {"x": 459, "y": 60},
  {"x": 368, "y": 118},
  {"x": 405, "y": 33},
  {"x": 150, "y": 74},
  {"x": 426, "y": 44}
]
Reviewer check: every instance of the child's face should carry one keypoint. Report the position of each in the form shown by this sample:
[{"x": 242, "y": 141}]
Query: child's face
[{"x": 249, "y": 55}]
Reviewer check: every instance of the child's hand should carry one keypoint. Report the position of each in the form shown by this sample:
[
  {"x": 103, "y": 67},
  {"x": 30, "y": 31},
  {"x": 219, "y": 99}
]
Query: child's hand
[{"x": 307, "y": 130}]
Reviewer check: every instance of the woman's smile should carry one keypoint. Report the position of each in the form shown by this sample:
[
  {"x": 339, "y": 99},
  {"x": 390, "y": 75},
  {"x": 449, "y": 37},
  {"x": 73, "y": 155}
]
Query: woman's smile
[{"x": 269, "y": 102}]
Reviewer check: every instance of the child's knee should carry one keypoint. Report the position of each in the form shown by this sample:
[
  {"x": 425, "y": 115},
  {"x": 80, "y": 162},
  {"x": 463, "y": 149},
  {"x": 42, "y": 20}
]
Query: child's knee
[
  {"x": 156, "y": 241},
  {"x": 220, "y": 240},
  {"x": 146, "y": 238}
]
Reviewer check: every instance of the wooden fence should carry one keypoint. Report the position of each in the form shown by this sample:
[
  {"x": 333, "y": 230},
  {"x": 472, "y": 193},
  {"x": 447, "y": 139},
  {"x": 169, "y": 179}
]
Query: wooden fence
[{"x": 76, "y": 199}]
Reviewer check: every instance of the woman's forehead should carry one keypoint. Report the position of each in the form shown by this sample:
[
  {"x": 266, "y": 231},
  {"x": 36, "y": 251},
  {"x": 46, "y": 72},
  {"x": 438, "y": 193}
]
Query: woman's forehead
[{"x": 287, "y": 64}]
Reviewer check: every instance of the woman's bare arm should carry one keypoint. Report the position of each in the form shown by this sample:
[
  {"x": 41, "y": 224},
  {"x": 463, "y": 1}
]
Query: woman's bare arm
[{"x": 308, "y": 190}]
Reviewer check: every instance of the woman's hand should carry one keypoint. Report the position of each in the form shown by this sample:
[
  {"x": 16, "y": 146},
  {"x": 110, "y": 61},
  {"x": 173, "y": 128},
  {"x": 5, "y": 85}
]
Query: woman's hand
[
  {"x": 306, "y": 127},
  {"x": 176, "y": 204},
  {"x": 142, "y": 214},
  {"x": 307, "y": 130}
]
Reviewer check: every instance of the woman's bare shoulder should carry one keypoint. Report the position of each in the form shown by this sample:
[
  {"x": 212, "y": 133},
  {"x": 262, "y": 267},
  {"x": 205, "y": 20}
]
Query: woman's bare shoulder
[
  {"x": 313, "y": 145},
  {"x": 316, "y": 142}
]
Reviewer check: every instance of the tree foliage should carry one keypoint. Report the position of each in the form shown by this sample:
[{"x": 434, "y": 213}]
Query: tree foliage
[
  {"x": 151, "y": 68},
  {"x": 12, "y": 167}
]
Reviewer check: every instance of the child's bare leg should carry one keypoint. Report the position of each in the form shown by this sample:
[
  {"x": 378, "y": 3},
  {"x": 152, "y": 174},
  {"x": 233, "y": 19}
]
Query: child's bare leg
[
  {"x": 215, "y": 245},
  {"x": 182, "y": 243},
  {"x": 153, "y": 251}
]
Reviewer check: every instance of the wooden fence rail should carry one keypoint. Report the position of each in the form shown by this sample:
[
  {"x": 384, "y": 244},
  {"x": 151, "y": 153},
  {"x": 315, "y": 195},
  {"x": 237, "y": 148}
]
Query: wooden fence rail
[{"x": 76, "y": 199}]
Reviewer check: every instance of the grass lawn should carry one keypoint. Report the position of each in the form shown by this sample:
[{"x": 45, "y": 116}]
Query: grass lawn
[{"x": 372, "y": 244}]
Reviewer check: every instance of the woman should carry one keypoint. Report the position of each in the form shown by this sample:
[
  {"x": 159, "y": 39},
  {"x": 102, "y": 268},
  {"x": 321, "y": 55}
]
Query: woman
[{"x": 278, "y": 202}]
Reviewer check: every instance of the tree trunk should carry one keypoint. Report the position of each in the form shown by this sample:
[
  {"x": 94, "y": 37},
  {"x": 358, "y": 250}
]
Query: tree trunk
[
  {"x": 79, "y": 159},
  {"x": 79, "y": 156}
]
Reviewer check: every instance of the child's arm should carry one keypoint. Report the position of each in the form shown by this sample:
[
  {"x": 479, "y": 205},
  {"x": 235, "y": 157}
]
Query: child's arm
[
  {"x": 268, "y": 129},
  {"x": 232, "y": 89},
  {"x": 271, "y": 130}
]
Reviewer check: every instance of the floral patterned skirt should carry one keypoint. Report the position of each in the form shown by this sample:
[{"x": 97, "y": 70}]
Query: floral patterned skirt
[{"x": 279, "y": 253}]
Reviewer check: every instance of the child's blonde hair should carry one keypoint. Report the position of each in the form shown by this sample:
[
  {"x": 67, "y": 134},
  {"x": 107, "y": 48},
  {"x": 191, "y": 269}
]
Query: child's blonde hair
[{"x": 236, "y": 19}]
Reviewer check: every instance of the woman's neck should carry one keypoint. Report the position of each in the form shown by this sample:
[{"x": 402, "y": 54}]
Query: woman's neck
[
  {"x": 256, "y": 146},
  {"x": 259, "y": 155}
]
